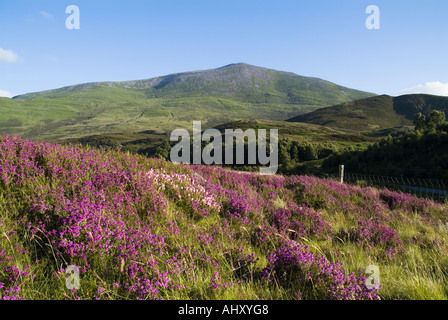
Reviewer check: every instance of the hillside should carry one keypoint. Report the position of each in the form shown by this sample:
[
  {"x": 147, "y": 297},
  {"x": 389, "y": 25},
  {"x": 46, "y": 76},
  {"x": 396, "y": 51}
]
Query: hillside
[
  {"x": 375, "y": 113},
  {"x": 145, "y": 109},
  {"x": 139, "y": 228}
]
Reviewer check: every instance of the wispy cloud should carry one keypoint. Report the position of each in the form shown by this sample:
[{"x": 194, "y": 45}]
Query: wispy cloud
[
  {"x": 46, "y": 15},
  {"x": 436, "y": 88},
  {"x": 4, "y": 93},
  {"x": 8, "y": 55}
]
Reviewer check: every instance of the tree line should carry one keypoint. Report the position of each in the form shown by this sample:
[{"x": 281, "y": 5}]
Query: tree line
[{"x": 422, "y": 153}]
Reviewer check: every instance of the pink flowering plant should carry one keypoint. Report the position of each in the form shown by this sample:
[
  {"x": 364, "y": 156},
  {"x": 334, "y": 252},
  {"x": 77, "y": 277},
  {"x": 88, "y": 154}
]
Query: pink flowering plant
[{"x": 140, "y": 228}]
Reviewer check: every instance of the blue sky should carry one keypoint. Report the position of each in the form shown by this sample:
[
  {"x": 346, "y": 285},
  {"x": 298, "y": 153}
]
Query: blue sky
[{"x": 135, "y": 39}]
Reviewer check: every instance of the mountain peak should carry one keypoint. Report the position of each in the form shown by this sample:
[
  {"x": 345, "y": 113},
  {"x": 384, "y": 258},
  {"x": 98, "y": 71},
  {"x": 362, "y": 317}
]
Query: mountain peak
[{"x": 239, "y": 65}]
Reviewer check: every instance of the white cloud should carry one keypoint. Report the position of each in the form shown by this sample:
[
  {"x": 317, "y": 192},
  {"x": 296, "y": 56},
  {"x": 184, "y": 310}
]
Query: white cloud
[
  {"x": 4, "y": 93},
  {"x": 46, "y": 15},
  {"x": 436, "y": 88},
  {"x": 8, "y": 55}
]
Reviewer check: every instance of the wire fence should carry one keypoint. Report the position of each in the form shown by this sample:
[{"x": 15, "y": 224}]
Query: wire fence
[{"x": 436, "y": 190}]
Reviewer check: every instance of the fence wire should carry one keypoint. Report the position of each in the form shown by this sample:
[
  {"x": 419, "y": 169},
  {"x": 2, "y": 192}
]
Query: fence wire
[{"x": 426, "y": 188}]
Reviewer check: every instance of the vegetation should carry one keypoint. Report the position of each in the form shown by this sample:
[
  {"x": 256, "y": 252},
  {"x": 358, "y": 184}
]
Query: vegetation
[
  {"x": 140, "y": 228},
  {"x": 302, "y": 147},
  {"x": 422, "y": 153}
]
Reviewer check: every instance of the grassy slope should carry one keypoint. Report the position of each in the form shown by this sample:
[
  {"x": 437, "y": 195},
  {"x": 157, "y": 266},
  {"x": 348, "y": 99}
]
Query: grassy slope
[
  {"x": 375, "y": 113},
  {"x": 113, "y": 110},
  {"x": 102, "y": 205},
  {"x": 302, "y": 131}
]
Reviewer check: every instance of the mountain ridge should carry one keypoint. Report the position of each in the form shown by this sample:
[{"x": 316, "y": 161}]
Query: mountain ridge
[{"x": 236, "y": 78}]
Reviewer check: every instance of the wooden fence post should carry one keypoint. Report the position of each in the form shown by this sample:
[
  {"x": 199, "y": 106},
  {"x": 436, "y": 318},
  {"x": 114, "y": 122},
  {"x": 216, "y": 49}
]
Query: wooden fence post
[{"x": 341, "y": 173}]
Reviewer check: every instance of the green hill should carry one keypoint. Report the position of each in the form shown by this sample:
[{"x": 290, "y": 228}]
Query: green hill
[
  {"x": 147, "y": 109},
  {"x": 375, "y": 113}
]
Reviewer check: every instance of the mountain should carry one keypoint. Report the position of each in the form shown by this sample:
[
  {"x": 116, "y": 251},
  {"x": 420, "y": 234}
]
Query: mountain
[
  {"x": 240, "y": 81},
  {"x": 146, "y": 110},
  {"x": 375, "y": 113}
]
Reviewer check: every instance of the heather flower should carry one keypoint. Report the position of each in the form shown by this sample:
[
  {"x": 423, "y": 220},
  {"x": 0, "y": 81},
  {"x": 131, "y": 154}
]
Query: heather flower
[{"x": 313, "y": 276}]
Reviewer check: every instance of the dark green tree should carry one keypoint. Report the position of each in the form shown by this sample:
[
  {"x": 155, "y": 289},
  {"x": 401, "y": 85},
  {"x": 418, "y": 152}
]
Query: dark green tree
[
  {"x": 435, "y": 119},
  {"x": 163, "y": 150},
  {"x": 420, "y": 121},
  {"x": 283, "y": 155}
]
